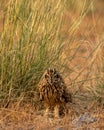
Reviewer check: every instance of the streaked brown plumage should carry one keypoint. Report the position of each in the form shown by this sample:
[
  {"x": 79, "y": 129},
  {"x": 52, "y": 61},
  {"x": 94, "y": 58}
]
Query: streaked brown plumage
[{"x": 53, "y": 91}]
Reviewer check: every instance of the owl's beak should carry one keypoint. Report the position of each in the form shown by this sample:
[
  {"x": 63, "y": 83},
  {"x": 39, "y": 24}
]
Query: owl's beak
[{"x": 51, "y": 82}]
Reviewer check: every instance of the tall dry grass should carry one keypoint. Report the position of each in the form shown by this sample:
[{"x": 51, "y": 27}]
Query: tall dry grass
[
  {"x": 34, "y": 38},
  {"x": 29, "y": 44}
]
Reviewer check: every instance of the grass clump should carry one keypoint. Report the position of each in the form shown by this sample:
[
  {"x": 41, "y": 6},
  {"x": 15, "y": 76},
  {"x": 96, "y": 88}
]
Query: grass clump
[
  {"x": 29, "y": 44},
  {"x": 32, "y": 40}
]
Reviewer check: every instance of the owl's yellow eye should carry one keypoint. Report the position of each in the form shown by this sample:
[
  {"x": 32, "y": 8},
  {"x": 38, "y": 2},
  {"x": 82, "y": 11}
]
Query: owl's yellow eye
[
  {"x": 56, "y": 76},
  {"x": 46, "y": 76}
]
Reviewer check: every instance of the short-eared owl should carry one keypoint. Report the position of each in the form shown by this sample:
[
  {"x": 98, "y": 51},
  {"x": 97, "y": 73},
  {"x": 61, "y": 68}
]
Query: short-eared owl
[{"x": 53, "y": 91}]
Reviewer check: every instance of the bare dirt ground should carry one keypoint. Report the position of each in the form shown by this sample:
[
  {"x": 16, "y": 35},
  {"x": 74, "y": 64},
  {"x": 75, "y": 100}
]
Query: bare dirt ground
[{"x": 28, "y": 119}]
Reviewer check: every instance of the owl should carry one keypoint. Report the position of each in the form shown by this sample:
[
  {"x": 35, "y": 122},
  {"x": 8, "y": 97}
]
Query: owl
[{"x": 53, "y": 92}]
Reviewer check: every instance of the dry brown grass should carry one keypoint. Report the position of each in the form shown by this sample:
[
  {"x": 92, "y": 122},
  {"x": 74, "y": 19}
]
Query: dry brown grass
[{"x": 26, "y": 119}]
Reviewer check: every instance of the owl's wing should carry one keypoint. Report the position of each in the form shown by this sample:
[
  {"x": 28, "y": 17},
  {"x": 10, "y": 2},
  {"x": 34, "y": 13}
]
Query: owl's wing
[{"x": 66, "y": 95}]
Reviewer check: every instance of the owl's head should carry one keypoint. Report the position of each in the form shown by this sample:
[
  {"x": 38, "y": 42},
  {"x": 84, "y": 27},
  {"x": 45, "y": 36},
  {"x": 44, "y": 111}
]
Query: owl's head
[{"x": 52, "y": 76}]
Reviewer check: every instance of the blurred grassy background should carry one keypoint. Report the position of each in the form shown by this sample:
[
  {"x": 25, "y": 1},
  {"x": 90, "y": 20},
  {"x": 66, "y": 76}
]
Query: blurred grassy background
[{"x": 35, "y": 35}]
